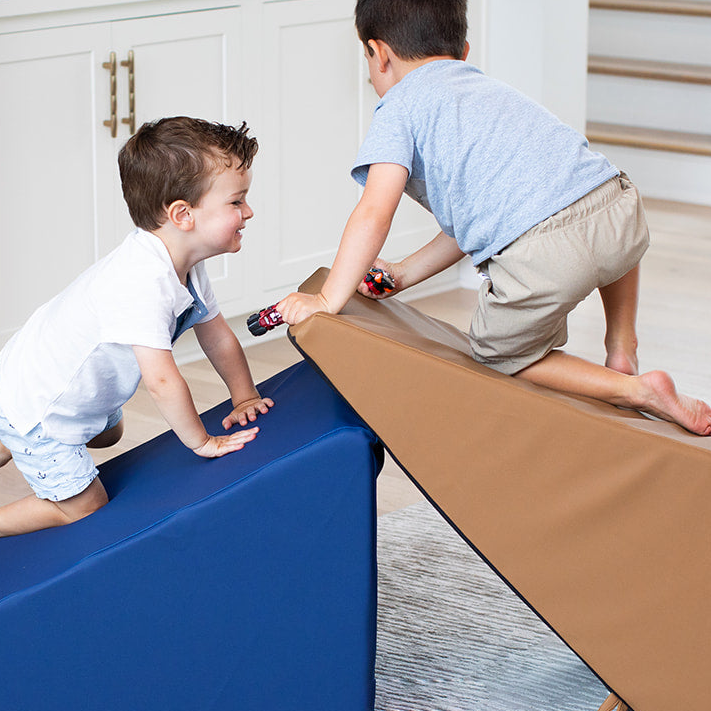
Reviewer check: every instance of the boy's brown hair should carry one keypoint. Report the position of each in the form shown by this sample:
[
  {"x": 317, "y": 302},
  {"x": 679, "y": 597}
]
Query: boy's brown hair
[
  {"x": 414, "y": 29},
  {"x": 175, "y": 159}
]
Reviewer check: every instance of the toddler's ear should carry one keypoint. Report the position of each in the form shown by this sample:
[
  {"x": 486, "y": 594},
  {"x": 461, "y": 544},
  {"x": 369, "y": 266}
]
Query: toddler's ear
[{"x": 180, "y": 215}]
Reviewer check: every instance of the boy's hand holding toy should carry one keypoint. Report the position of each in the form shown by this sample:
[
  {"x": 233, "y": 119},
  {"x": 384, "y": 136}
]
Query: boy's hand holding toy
[{"x": 377, "y": 284}]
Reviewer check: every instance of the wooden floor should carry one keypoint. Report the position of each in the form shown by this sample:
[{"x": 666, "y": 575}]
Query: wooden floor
[{"x": 674, "y": 332}]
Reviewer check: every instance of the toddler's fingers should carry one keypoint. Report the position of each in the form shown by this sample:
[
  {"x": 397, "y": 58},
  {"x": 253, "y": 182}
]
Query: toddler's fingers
[
  {"x": 265, "y": 404},
  {"x": 284, "y": 307},
  {"x": 232, "y": 419},
  {"x": 229, "y": 448},
  {"x": 244, "y": 435},
  {"x": 236, "y": 441}
]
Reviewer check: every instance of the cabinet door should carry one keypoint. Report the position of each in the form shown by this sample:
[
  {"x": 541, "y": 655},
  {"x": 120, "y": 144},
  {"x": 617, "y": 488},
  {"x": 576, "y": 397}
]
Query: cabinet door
[
  {"x": 310, "y": 134},
  {"x": 53, "y": 204},
  {"x": 317, "y": 110},
  {"x": 188, "y": 64}
]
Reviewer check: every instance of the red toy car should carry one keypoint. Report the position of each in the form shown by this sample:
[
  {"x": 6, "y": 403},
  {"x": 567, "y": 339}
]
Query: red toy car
[
  {"x": 379, "y": 281},
  {"x": 264, "y": 321}
]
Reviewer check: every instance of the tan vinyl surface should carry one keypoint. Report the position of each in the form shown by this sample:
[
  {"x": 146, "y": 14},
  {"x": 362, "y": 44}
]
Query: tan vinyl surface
[{"x": 598, "y": 517}]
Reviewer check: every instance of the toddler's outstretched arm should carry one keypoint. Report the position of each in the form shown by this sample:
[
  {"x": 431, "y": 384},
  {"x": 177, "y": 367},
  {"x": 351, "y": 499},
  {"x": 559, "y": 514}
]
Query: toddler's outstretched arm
[
  {"x": 224, "y": 351},
  {"x": 172, "y": 396}
]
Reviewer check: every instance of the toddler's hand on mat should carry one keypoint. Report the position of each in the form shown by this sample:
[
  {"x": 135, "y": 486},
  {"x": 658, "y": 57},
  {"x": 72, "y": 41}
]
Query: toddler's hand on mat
[
  {"x": 247, "y": 411},
  {"x": 224, "y": 444}
]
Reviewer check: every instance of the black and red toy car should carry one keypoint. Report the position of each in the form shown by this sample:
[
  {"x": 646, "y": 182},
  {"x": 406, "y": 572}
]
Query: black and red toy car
[
  {"x": 379, "y": 281},
  {"x": 264, "y": 321}
]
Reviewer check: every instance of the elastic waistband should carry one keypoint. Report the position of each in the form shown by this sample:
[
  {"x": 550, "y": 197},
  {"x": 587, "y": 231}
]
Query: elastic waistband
[{"x": 597, "y": 199}]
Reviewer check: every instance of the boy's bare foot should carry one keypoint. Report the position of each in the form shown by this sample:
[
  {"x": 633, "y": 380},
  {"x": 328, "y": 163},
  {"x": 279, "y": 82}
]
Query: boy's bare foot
[
  {"x": 5, "y": 455},
  {"x": 657, "y": 396}
]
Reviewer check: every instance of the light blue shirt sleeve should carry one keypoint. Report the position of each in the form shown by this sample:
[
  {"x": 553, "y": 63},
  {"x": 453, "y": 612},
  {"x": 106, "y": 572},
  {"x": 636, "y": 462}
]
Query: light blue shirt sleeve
[{"x": 389, "y": 140}]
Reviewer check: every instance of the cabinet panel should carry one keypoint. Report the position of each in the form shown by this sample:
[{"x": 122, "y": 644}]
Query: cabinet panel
[
  {"x": 61, "y": 206},
  {"x": 293, "y": 69},
  {"x": 52, "y": 207},
  {"x": 310, "y": 136}
]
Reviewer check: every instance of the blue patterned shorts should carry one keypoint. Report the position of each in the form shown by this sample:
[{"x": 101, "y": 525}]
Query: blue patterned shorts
[{"x": 54, "y": 470}]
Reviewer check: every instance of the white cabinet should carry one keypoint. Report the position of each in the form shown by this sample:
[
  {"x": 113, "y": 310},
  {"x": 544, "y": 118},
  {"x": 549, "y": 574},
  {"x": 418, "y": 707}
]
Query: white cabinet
[
  {"x": 60, "y": 199},
  {"x": 317, "y": 109},
  {"x": 184, "y": 64},
  {"x": 540, "y": 47},
  {"x": 51, "y": 152},
  {"x": 309, "y": 137},
  {"x": 293, "y": 69}
]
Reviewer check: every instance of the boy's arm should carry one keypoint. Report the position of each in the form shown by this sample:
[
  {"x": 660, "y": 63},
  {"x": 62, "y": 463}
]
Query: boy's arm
[
  {"x": 224, "y": 351},
  {"x": 172, "y": 396},
  {"x": 363, "y": 238},
  {"x": 436, "y": 256}
]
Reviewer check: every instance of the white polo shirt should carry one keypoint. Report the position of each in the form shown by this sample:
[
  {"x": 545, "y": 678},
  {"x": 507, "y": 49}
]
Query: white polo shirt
[{"x": 72, "y": 364}]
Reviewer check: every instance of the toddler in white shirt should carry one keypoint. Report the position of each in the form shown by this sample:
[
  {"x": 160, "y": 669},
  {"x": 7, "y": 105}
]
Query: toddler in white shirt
[{"x": 65, "y": 375}]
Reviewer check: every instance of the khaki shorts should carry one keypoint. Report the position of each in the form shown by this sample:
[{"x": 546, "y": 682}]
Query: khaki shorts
[{"x": 535, "y": 282}]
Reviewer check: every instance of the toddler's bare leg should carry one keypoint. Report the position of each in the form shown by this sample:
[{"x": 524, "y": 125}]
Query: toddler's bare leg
[
  {"x": 107, "y": 438},
  {"x": 619, "y": 300},
  {"x": 653, "y": 393},
  {"x": 5, "y": 455},
  {"x": 33, "y": 514}
]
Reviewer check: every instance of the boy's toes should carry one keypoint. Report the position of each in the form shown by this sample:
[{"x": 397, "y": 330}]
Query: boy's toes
[
  {"x": 661, "y": 399},
  {"x": 695, "y": 416}
]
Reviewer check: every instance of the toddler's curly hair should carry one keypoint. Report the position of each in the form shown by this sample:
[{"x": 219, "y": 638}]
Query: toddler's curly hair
[{"x": 175, "y": 159}]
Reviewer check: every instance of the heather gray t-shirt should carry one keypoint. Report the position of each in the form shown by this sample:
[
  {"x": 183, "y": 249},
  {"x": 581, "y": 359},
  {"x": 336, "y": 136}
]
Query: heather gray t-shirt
[{"x": 488, "y": 162}]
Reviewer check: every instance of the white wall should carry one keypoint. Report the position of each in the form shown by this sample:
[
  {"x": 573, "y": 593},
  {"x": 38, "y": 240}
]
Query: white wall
[{"x": 541, "y": 48}]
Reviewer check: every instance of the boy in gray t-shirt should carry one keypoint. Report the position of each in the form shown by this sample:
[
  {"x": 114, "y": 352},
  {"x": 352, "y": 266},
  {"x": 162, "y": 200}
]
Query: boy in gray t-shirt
[{"x": 544, "y": 219}]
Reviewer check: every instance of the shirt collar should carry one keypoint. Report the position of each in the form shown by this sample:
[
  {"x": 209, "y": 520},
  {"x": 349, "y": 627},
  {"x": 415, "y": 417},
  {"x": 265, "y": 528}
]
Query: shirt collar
[{"x": 182, "y": 298}]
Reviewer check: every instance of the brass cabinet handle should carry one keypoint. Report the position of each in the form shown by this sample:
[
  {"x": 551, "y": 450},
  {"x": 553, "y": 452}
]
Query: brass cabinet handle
[
  {"x": 112, "y": 122},
  {"x": 130, "y": 65}
]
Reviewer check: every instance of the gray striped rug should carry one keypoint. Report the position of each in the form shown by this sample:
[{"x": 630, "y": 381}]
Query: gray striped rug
[{"x": 453, "y": 637}]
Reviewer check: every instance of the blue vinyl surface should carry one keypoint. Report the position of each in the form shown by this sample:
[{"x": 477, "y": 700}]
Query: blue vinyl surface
[{"x": 246, "y": 582}]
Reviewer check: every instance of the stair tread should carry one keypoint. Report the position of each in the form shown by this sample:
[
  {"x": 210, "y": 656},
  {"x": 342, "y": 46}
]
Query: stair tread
[
  {"x": 654, "y": 138},
  {"x": 701, "y": 9},
  {"x": 649, "y": 69}
]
